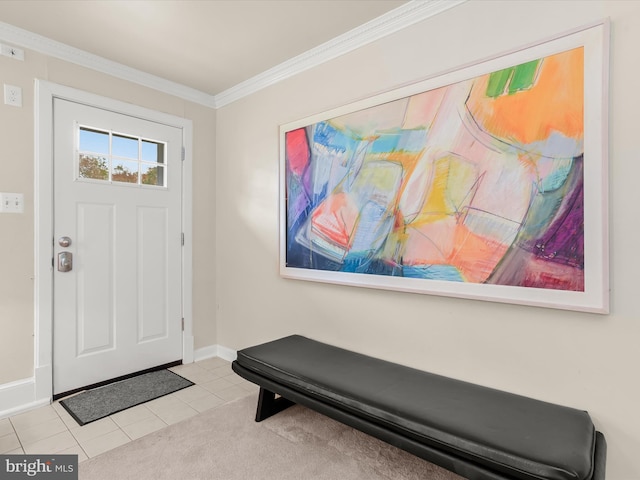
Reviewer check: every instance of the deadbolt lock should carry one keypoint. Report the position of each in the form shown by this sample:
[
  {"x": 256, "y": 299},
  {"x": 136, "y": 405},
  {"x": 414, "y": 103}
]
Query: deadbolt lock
[{"x": 65, "y": 261}]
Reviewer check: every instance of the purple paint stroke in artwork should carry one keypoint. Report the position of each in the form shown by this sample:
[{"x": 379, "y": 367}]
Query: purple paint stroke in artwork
[
  {"x": 298, "y": 203},
  {"x": 307, "y": 182},
  {"x": 563, "y": 241}
]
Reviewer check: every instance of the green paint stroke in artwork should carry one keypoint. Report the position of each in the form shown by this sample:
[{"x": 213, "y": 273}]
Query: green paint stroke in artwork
[
  {"x": 523, "y": 76},
  {"x": 498, "y": 82},
  {"x": 512, "y": 79}
]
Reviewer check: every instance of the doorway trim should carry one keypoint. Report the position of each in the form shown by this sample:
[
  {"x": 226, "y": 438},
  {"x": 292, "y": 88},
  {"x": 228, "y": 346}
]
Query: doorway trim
[{"x": 45, "y": 92}]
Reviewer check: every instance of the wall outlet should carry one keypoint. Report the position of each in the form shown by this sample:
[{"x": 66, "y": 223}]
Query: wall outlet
[
  {"x": 11, "y": 203},
  {"x": 12, "y": 95}
]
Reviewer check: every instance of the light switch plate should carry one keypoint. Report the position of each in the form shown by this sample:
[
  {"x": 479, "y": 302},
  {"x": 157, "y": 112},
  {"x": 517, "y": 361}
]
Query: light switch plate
[{"x": 11, "y": 203}]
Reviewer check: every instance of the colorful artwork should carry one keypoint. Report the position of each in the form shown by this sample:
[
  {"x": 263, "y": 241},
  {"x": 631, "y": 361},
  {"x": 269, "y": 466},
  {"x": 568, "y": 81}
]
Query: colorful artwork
[{"x": 480, "y": 181}]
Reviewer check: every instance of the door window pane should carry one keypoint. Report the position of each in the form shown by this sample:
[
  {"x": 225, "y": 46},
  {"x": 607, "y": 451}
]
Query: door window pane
[
  {"x": 94, "y": 141},
  {"x": 150, "y": 175},
  {"x": 124, "y": 171},
  {"x": 93, "y": 166},
  {"x": 115, "y": 157},
  {"x": 152, "y": 151},
  {"x": 124, "y": 146}
]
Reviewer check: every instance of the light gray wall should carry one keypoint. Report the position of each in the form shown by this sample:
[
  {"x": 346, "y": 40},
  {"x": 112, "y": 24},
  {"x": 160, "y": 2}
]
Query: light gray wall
[{"x": 583, "y": 360}]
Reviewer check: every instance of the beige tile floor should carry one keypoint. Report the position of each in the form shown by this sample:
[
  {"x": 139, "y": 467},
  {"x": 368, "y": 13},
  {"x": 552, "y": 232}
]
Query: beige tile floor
[{"x": 50, "y": 429}]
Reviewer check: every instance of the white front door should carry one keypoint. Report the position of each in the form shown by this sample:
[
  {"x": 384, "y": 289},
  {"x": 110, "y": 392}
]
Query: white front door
[{"x": 117, "y": 245}]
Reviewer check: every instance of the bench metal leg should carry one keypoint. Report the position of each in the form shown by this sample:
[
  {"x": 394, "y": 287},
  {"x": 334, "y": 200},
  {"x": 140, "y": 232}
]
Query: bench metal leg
[{"x": 269, "y": 405}]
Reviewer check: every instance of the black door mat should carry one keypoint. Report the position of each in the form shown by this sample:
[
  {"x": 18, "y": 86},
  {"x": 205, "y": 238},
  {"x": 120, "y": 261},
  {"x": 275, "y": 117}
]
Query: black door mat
[{"x": 92, "y": 405}]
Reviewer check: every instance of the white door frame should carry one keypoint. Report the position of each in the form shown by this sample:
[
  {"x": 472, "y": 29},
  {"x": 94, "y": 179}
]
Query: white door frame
[{"x": 45, "y": 92}]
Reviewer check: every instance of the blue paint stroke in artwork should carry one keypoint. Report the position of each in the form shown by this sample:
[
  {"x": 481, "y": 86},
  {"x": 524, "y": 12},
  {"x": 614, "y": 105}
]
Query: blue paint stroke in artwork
[
  {"x": 335, "y": 141},
  {"x": 433, "y": 272},
  {"x": 333, "y": 155},
  {"x": 369, "y": 264},
  {"x": 385, "y": 143},
  {"x": 400, "y": 141},
  {"x": 557, "y": 145},
  {"x": 412, "y": 140},
  {"x": 299, "y": 256},
  {"x": 374, "y": 225},
  {"x": 356, "y": 263},
  {"x": 557, "y": 177}
]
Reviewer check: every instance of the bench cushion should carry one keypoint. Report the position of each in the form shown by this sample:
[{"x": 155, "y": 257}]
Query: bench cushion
[{"x": 516, "y": 435}]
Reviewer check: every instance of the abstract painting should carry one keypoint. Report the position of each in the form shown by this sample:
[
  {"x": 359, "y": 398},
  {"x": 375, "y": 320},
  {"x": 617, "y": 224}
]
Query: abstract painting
[{"x": 472, "y": 185}]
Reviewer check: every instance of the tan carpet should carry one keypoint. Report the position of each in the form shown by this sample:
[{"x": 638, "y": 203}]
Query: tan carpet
[{"x": 226, "y": 444}]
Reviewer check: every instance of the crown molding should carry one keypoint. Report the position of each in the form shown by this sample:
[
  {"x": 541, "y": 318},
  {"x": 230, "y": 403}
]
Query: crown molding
[
  {"x": 408, "y": 14},
  {"x": 32, "y": 41}
]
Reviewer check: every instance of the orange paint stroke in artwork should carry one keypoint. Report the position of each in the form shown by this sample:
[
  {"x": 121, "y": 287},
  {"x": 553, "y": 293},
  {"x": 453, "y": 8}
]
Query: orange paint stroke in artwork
[
  {"x": 429, "y": 243},
  {"x": 554, "y": 103},
  {"x": 335, "y": 219},
  {"x": 475, "y": 256},
  {"x": 447, "y": 242}
]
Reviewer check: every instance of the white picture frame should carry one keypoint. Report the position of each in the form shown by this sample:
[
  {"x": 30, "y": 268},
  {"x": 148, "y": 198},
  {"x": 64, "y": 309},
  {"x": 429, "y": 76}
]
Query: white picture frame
[{"x": 369, "y": 120}]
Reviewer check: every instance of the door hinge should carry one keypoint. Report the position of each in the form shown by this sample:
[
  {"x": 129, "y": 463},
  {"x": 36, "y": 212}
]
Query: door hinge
[
  {"x": 184, "y": 154},
  {"x": 183, "y": 324},
  {"x": 183, "y": 239}
]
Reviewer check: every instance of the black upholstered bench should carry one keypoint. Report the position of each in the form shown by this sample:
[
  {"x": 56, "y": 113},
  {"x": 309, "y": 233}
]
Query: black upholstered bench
[{"x": 474, "y": 431}]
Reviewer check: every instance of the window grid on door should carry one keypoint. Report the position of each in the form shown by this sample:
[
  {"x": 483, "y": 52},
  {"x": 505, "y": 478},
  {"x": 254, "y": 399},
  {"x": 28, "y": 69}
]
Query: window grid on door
[{"x": 111, "y": 157}]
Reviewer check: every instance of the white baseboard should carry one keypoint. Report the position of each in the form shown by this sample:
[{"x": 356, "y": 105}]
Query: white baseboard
[
  {"x": 20, "y": 396},
  {"x": 205, "y": 352},
  {"x": 227, "y": 353},
  {"x": 214, "y": 351}
]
